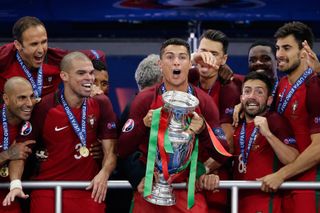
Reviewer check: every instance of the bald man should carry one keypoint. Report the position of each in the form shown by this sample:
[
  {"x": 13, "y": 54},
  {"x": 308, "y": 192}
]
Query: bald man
[
  {"x": 66, "y": 123},
  {"x": 18, "y": 104}
]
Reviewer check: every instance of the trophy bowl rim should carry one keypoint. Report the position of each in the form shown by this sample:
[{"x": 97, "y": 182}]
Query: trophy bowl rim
[{"x": 190, "y": 99}]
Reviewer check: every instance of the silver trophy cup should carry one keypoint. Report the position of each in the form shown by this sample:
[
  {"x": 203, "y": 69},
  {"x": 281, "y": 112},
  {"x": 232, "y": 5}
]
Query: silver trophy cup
[{"x": 179, "y": 105}]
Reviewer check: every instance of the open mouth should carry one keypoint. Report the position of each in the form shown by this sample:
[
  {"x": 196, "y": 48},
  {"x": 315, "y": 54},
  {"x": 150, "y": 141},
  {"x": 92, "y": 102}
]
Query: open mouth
[
  {"x": 87, "y": 85},
  {"x": 176, "y": 72},
  {"x": 38, "y": 59}
]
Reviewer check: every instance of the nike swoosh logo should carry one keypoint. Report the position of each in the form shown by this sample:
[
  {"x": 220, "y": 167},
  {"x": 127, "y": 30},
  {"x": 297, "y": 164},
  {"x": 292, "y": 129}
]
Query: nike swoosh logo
[{"x": 57, "y": 129}]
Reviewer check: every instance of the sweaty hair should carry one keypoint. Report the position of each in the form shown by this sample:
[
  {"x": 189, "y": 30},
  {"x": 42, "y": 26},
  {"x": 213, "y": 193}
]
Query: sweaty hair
[
  {"x": 175, "y": 41},
  {"x": 66, "y": 62},
  {"x": 216, "y": 35},
  {"x": 148, "y": 72},
  {"x": 262, "y": 76},
  {"x": 99, "y": 65},
  {"x": 299, "y": 30},
  {"x": 23, "y": 24},
  {"x": 264, "y": 43}
]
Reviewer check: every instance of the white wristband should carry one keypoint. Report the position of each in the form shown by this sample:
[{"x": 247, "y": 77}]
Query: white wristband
[{"x": 15, "y": 184}]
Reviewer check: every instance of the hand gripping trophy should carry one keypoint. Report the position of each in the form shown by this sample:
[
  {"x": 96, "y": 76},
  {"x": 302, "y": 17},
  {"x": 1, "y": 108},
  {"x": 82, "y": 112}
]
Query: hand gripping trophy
[{"x": 171, "y": 149}]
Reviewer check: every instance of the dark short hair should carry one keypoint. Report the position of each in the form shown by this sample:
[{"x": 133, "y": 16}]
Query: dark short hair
[
  {"x": 264, "y": 43},
  {"x": 299, "y": 30},
  {"x": 99, "y": 65},
  {"x": 175, "y": 41},
  {"x": 216, "y": 35},
  {"x": 262, "y": 76},
  {"x": 23, "y": 24}
]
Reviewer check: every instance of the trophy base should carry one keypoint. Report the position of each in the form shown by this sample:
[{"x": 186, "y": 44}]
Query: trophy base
[{"x": 162, "y": 195}]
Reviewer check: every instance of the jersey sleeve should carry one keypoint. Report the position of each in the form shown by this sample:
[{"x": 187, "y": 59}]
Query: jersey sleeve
[
  {"x": 210, "y": 113},
  {"x": 107, "y": 125},
  {"x": 313, "y": 104},
  {"x": 55, "y": 55},
  {"x": 134, "y": 131},
  {"x": 228, "y": 98},
  {"x": 7, "y": 55},
  {"x": 280, "y": 127},
  {"x": 37, "y": 121}
]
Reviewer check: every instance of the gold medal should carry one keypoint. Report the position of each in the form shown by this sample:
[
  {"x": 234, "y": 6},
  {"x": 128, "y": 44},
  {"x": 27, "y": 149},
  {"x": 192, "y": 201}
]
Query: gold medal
[
  {"x": 84, "y": 151},
  {"x": 4, "y": 171}
]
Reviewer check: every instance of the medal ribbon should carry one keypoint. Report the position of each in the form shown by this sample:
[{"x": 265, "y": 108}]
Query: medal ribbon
[
  {"x": 37, "y": 87},
  {"x": 95, "y": 53},
  {"x": 216, "y": 143},
  {"x": 242, "y": 141},
  {"x": 152, "y": 152},
  {"x": 274, "y": 89},
  {"x": 5, "y": 129},
  {"x": 283, "y": 103},
  {"x": 80, "y": 131},
  {"x": 163, "y": 123}
]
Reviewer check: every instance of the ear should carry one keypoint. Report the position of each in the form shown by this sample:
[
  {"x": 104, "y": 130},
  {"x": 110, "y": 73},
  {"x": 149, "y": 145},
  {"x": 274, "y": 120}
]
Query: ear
[
  {"x": 64, "y": 75},
  {"x": 269, "y": 101},
  {"x": 224, "y": 59},
  {"x": 18, "y": 45},
  {"x": 5, "y": 99}
]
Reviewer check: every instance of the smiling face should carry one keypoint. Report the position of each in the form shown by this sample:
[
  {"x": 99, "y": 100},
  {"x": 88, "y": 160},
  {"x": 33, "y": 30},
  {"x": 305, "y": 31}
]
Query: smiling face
[
  {"x": 79, "y": 77},
  {"x": 255, "y": 98},
  {"x": 33, "y": 46},
  {"x": 288, "y": 54},
  {"x": 216, "y": 48},
  {"x": 19, "y": 101},
  {"x": 102, "y": 80},
  {"x": 175, "y": 64},
  {"x": 261, "y": 59}
]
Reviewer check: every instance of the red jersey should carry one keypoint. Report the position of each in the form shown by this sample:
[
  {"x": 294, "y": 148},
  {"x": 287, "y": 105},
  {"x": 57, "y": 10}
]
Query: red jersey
[
  {"x": 303, "y": 113},
  {"x": 135, "y": 128},
  {"x": 261, "y": 161},
  {"x": 53, "y": 129},
  {"x": 229, "y": 97},
  {"x": 10, "y": 67},
  {"x": 13, "y": 132}
]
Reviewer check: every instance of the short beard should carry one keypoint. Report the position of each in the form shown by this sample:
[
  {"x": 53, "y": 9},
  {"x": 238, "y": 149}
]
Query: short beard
[
  {"x": 292, "y": 68},
  {"x": 260, "y": 112}
]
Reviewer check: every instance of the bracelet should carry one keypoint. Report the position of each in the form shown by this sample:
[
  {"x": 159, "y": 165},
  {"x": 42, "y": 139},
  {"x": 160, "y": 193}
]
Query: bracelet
[{"x": 15, "y": 184}]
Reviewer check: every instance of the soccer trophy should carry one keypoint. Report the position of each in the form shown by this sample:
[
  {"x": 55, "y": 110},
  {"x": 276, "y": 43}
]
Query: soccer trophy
[{"x": 172, "y": 146}]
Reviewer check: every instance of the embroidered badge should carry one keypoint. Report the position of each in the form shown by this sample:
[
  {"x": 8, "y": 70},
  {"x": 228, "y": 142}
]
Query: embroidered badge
[
  {"x": 26, "y": 128},
  {"x": 111, "y": 125},
  {"x": 290, "y": 141},
  {"x": 91, "y": 120},
  {"x": 219, "y": 133},
  {"x": 229, "y": 111},
  {"x": 128, "y": 126}
]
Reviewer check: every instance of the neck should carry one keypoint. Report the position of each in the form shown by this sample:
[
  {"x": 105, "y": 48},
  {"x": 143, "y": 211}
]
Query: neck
[
  {"x": 295, "y": 75},
  {"x": 207, "y": 83},
  {"x": 12, "y": 119},
  {"x": 182, "y": 88},
  {"x": 73, "y": 100},
  {"x": 250, "y": 119}
]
